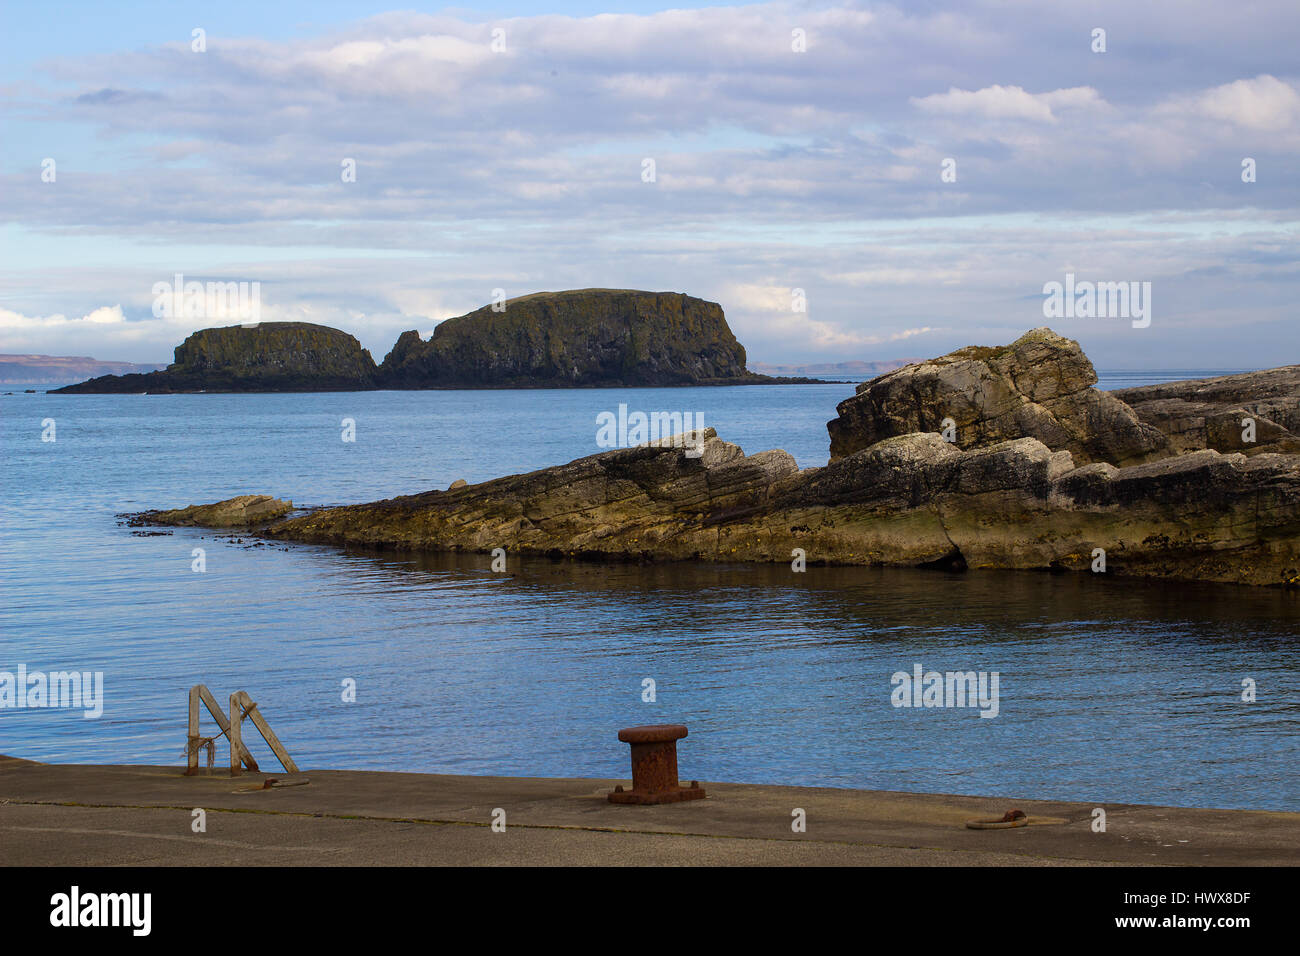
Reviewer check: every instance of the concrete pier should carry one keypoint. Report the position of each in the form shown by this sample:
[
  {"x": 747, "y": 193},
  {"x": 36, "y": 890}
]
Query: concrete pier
[{"x": 62, "y": 814}]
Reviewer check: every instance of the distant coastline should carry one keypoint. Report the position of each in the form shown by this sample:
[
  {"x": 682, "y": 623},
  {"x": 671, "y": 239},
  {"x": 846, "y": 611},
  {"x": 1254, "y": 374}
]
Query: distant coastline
[
  {"x": 31, "y": 369},
  {"x": 837, "y": 371}
]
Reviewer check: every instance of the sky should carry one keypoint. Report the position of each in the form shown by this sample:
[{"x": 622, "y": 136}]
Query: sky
[{"x": 859, "y": 181}]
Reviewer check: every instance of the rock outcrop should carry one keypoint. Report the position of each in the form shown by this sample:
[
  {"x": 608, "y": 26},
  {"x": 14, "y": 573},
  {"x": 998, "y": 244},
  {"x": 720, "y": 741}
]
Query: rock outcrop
[
  {"x": 1214, "y": 412},
  {"x": 270, "y": 357},
  {"x": 1046, "y": 498},
  {"x": 1039, "y": 386},
  {"x": 239, "y": 512},
  {"x": 587, "y": 337},
  {"x": 914, "y": 500}
]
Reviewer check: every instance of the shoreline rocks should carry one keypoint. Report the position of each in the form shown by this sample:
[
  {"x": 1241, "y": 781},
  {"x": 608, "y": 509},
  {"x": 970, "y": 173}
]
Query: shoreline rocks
[
  {"x": 1039, "y": 386},
  {"x": 242, "y": 511},
  {"x": 1213, "y": 412},
  {"x": 1046, "y": 498},
  {"x": 913, "y": 501}
]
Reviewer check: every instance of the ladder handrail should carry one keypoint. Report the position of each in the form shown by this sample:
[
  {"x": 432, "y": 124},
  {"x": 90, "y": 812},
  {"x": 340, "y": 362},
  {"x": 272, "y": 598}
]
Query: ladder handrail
[{"x": 241, "y": 706}]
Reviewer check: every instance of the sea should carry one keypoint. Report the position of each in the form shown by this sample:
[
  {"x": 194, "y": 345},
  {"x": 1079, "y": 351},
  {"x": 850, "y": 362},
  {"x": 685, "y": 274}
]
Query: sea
[{"x": 1109, "y": 689}]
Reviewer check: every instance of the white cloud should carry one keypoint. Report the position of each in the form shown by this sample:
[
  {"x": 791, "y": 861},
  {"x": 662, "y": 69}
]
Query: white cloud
[
  {"x": 1009, "y": 102},
  {"x": 898, "y": 276},
  {"x": 1262, "y": 103},
  {"x": 60, "y": 334},
  {"x": 17, "y": 324},
  {"x": 768, "y": 310}
]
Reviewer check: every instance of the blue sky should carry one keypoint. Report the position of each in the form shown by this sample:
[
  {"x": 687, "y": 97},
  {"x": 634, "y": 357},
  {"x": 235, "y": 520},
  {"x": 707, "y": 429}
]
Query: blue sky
[{"x": 776, "y": 169}]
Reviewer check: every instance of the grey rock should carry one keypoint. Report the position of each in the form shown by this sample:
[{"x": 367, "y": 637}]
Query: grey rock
[
  {"x": 1040, "y": 387},
  {"x": 1211, "y": 412}
]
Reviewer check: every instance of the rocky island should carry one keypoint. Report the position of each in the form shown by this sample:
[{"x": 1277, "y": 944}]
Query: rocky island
[
  {"x": 1038, "y": 470},
  {"x": 269, "y": 357},
  {"x": 587, "y": 337},
  {"x": 582, "y": 338}
]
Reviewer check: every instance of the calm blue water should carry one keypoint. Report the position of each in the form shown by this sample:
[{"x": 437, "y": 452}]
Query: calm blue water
[{"x": 1111, "y": 690}]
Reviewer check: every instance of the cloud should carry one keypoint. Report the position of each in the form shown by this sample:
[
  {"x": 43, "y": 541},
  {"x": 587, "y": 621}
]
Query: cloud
[
  {"x": 523, "y": 169},
  {"x": 1009, "y": 102},
  {"x": 1262, "y": 103},
  {"x": 780, "y": 314},
  {"x": 15, "y": 323},
  {"x": 36, "y": 333}
]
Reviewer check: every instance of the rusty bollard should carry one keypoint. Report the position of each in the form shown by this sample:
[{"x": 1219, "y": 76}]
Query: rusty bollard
[{"x": 654, "y": 766}]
